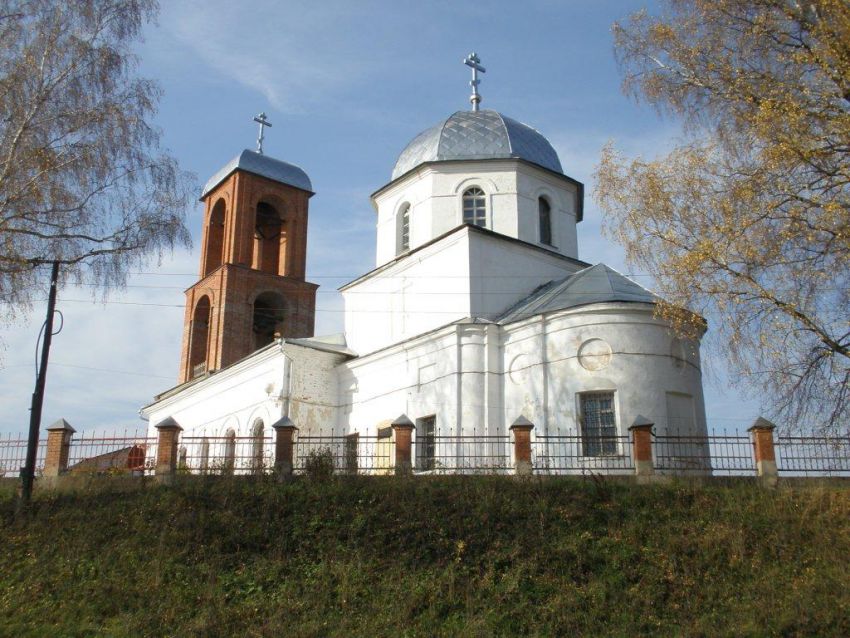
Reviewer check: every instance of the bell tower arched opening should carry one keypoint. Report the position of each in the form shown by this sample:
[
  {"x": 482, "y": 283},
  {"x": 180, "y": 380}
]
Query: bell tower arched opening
[
  {"x": 252, "y": 265},
  {"x": 268, "y": 318},
  {"x": 200, "y": 337},
  {"x": 215, "y": 238},
  {"x": 269, "y": 239}
]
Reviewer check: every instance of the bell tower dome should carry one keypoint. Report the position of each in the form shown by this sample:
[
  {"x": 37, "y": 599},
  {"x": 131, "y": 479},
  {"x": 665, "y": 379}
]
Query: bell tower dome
[{"x": 253, "y": 258}]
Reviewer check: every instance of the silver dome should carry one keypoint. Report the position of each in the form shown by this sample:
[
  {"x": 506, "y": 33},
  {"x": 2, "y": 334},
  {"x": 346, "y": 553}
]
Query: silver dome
[
  {"x": 468, "y": 135},
  {"x": 264, "y": 166}
]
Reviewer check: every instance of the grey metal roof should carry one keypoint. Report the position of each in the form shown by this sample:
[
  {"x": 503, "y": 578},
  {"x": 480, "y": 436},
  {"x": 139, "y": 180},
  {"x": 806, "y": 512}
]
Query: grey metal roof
[
  {"x": 597, "y": 284},
  {"x": 264, "y": 166},
  {"x": 486, "y": 134}
]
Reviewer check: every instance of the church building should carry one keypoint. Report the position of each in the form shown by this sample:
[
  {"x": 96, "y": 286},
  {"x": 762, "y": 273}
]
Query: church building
[{"x": 478, "y": 310}]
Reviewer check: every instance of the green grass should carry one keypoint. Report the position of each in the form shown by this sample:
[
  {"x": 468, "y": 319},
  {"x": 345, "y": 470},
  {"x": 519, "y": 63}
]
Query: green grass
[{"x": 447, "y": 556}]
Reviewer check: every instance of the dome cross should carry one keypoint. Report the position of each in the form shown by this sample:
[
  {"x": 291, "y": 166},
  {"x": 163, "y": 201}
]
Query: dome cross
[
  {"x": 474, "y": 62},
  {"x": 263, "y": 122}
]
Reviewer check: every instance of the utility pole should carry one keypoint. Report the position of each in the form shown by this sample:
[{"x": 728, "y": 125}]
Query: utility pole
[{"x": 28, "y": 476}]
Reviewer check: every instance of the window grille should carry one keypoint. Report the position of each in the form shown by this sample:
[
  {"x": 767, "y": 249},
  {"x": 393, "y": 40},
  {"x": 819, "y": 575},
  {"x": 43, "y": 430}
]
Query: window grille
[
  {"x": 426, "y": 444},
  {"x": 598, "y": 424},
  {"x": 474, "y": 207},
  {"x": 404, "y": 229}
]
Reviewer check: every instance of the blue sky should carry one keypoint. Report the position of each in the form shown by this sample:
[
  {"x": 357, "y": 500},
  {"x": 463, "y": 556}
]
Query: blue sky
[{"x": 346, "y": 86}]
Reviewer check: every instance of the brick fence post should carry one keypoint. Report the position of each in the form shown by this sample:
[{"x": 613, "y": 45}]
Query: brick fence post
[
  {"x": 522, "y": 428},
  {"x": 765, "y": 456},
  {"x": 403, "y": 430},
  {"x": 641, "y": 430},
  {"x": 166, "y": 449},
  {"x": 58, "y": 449},
  {"x": 284, "y": 447}
]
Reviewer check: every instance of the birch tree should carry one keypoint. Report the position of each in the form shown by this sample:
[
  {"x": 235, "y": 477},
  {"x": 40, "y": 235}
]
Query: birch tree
[
  {"x": 747, "y": 221},
  {"x": 82, "y": 177}
]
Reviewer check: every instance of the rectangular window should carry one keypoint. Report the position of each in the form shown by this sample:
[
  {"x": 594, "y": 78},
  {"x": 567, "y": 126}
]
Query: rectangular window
[
  {"x": 426, "y": 444},
  {"x": 598, "y": 424}
]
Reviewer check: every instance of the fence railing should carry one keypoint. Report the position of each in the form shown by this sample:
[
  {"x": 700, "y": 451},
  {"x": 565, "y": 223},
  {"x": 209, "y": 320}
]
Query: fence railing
[
  {"x": 572, "y": 454},
  {"x": 719, "y": 454},
  {"x": 716, "y": 454},
  {"x": 462, "y": 454},
  {"x": 225, "y": 454},
  {"x": 13, "y": 454},
  {"x": 352, "y": 454},
  {"x": 813, "y": 455},
  {"x": 92, "y": 453}
]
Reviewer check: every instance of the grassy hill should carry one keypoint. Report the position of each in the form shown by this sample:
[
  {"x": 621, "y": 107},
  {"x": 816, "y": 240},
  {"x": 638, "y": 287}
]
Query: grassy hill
[{"x": 449, "y": 556}]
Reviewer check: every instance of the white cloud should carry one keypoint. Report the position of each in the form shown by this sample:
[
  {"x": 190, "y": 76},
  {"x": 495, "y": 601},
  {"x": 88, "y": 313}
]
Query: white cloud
[{"x": 295, "y": 54}]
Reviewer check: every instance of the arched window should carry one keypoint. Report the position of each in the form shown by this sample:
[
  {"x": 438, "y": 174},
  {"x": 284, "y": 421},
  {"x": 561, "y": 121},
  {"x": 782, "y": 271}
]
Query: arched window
[
  {"x": 215, "y": 238},
  {"x": 229, "y": 451},
  {"x": 269, "y": 239},
  {"x": 474, "y": 207},
  {"x": 257, "y": 447},
  {"x": 545, "y": 217},
  {"x": 403, "y": 222},
  {"x": 268, "y": 319},
  {"x": 198, "y": 338}
]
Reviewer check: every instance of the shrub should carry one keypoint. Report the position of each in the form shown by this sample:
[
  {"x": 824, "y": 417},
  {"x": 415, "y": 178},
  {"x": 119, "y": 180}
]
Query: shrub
[{"x": 319, "y": 464}]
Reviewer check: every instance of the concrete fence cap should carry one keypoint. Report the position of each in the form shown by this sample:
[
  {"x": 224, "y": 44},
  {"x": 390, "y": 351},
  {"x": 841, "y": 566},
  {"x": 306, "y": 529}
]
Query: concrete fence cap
[
  {"x": 61, "y": 424},
  {"x": 168, "y": 423},
  {"x": 641, "y": 422},
  {"x": 521, "y": 422},
  {"x": 284, "y": 422},
  {"x": 403, "y": 421},
  {"x": 761, "y": 424}
]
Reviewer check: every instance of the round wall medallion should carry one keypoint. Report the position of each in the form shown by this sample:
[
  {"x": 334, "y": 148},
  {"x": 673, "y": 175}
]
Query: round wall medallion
[
  {"x": 594, "y": 354},
  {"x": 517, "y": 370}
]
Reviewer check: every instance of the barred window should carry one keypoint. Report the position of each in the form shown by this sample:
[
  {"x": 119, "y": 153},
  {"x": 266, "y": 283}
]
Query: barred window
[
  {"x": 474, "y": 207},
  {"x": 404, "y": 229},
  {"x": 545, "y": 216},
  {"x": 426, "y": 444},
  {"x": 598, "y": 424}
]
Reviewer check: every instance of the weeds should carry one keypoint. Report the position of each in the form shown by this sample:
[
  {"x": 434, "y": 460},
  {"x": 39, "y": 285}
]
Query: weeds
[{"x": 434, "y": 556}]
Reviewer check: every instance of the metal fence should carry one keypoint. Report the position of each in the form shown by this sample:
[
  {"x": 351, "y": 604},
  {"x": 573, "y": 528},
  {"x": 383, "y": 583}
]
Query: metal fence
[
  {"x": 93, "y": 453},
  {"x": 13, "y": 454},
  {"x": 352, "y": 454},
  {"x": 226, "y": 454},
  {"x": 714, "y": 455},
  {"x": 573, "y": 454},
  {"x": 462, "y": 454},
  {"x": 719, "y": 454},
  {"x": 813, "y": 455}
]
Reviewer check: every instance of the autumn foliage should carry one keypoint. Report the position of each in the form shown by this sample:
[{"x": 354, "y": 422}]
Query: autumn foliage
[{"x": 747, "y": 221}]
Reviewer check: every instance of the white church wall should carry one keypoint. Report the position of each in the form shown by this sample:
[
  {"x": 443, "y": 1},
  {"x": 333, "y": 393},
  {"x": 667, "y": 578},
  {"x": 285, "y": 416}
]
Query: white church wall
[
  {"x": 612, "y": 347},
  {"x": 533, "y": 183},
  {"x": 504, "y": 272},
  {"x": 435, "y": 194},
  {"x": 313, "y": 391},
  {"x": 417, "y": 378},
  {"x": 232, "y": 398},
  {"x": 284, "y": 378},
  {"x": 414, "y": 295},
  {"x": 416, "y": 190}
]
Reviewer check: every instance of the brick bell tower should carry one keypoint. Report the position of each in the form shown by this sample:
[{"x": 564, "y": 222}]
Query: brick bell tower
[{"x": 254, "y": 251}]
